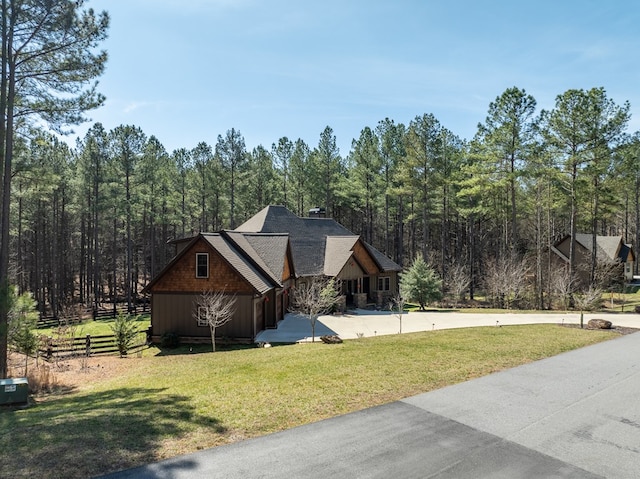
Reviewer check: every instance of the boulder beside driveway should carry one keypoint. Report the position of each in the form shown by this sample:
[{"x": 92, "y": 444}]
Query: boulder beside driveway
[{"x": 599, "y": 324}]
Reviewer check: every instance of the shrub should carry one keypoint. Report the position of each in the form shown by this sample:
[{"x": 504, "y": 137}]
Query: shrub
[
  {"x": 125, "y": 331},
  {"x": 169, "y": 340}
]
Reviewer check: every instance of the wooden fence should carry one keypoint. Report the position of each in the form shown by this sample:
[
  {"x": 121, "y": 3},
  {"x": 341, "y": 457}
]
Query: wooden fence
[
  {"x": 64, "y": 348},
  {"x": 96, "y": 313}
]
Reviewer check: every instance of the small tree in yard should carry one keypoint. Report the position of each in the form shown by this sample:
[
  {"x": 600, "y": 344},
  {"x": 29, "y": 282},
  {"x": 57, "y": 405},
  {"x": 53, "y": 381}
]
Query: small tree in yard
[
  {"x": 458, "y": 282},
  {"x": 313, "y": 298},
  {"x": 421, "y": 284},
  {"x": 588, "y": 300},
  {"x": 125, "y": 330},
  {"x": 23, "y": 319},
  {"x": 214, "y": 309},
  {"x": 397, "y": 305}
]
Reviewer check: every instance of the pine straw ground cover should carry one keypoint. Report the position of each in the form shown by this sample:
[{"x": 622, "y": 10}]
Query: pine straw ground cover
[{"x": 117, "y": 413}]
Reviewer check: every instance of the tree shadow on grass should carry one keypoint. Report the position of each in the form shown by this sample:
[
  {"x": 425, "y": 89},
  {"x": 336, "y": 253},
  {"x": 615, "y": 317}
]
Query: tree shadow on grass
[
  {"x": 185, "y": 349},
  {"x": 91, "y": 434}
]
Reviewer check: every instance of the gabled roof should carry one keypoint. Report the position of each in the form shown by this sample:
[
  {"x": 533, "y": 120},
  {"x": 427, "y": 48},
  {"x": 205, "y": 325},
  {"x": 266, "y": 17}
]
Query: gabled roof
[
  {"x": 271, "y": 219},
  {"x": 267, "y": 250},
  {"x": 386, "y": 263},
  {"x": 337, "y": 253},
  {"x": 309, "y": 240},
  {"x": 607, "y": 245},
  {"x": 610, "y": 247},
  {"x": 258, "y": 280}
]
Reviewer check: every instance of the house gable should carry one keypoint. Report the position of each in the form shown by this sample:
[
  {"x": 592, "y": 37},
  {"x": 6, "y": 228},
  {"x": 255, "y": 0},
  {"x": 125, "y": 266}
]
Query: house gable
[
  {"x": 608, "y": 248},
  {"x": 288, "y": 271},
  {"x": 366, "y": 260},
  {"x": 338, "y": 251},
  {"x": 181, "y": 275}
]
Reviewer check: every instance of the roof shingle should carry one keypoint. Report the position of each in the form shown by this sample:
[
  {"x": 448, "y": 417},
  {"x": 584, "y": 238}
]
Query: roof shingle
[{"x": 309, "y": 240}]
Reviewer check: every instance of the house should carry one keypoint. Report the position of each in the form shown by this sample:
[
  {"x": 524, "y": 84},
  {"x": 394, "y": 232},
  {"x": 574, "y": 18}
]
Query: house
[
  {"x": 610, "y": 250},
  {"x": 258, "y": 263},
  {"x": 255, "y": 268},
  {"x": 322, "y": 246}
]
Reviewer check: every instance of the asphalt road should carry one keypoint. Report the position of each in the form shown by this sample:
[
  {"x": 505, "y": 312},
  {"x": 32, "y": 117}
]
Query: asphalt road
[{"x": 575, "y": 415}]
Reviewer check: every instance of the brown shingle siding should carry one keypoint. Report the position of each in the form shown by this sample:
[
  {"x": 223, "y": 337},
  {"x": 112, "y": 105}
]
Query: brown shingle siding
[{"x": 182, "y": 276}]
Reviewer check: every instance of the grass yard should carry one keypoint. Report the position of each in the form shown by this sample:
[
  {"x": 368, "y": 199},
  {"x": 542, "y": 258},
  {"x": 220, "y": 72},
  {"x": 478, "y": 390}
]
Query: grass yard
[{"x": 118, "y": 413}]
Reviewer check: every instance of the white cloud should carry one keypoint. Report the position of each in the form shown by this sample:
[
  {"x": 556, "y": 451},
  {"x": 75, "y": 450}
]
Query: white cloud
[{"x": 136, "y": 105}]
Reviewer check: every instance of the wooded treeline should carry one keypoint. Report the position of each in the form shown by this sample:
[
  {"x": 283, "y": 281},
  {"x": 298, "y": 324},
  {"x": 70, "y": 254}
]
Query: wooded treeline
[{"x": 91, "y": 224}]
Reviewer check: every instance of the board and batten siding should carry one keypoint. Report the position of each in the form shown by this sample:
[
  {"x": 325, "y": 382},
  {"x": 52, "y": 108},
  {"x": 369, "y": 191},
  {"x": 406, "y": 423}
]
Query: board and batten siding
[
  {"x": 175, "y": 313},
  {"x": 364, "y": 259}
]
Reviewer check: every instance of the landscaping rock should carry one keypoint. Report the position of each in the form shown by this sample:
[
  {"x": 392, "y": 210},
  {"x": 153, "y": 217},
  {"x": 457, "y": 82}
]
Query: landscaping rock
[
  {"x": 599, "y": 324},
  {"x": 331, "y": 339}
]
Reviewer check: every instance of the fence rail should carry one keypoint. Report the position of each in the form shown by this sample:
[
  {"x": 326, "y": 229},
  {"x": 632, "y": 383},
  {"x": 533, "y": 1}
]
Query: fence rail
[
  {"x": 97, "y": 314},
  {"x": 52, "y": 348}
]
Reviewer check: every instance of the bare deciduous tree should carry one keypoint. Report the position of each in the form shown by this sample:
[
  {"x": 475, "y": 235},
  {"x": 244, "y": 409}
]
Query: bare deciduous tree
[
  {"x": 397, "y": 306},
  {"x": 313, "y": 298},
  {"x": 458, "y": 280},
  {"x": 505, "y": 281},
  {"x": 608, "y": 273},
  {"x": 562, "y": 285},
  {"x": 214, "y": 310},
  {"x": 588, "y": 300}
]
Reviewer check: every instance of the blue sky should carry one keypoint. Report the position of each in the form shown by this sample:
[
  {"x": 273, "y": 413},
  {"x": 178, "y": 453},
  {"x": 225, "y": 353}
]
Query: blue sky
[{"x": 189, "y": 70}]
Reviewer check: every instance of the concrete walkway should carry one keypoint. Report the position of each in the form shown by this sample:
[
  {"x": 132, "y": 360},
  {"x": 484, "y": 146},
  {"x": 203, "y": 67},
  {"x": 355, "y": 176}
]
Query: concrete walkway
[
  {"x": 575, "y": 415},
  {"x": 296, "y": 328}
]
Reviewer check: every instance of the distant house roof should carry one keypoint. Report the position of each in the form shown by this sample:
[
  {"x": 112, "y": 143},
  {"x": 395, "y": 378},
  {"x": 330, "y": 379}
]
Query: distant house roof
[
  {"x": 610, "y": 247},
  {"x": 310, "y": 241}
]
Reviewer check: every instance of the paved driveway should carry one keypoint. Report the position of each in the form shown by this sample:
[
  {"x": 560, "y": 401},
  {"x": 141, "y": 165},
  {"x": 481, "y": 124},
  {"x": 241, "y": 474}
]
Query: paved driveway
[
  {"x": 575, "y": 415},
  {"x": 296, "y": 328}
]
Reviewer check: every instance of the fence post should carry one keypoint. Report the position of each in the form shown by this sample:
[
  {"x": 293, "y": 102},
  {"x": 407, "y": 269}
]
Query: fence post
[
  {"x": 49, "y": 347},
  {"x": 88, "y": 345}
]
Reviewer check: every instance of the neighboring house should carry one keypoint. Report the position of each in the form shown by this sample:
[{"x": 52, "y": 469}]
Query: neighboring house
[
  {"x": 259, "y": 262},
  {"x": 609, "y": 249}
]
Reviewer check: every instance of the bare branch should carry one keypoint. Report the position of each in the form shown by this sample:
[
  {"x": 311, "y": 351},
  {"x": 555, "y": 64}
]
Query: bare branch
[
  {"x": 313, "y": 298},
  {"x": 214, "y": 309}
]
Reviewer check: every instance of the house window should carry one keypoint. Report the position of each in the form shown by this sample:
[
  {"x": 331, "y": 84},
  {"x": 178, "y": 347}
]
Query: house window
[
  {"x": 202, "y": 319},
  {"x": 202, "y": 265},
  {"x": 384, "y": 283}
]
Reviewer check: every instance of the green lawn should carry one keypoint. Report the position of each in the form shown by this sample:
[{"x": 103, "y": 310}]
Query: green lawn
[{"x": 160, "y": 405}]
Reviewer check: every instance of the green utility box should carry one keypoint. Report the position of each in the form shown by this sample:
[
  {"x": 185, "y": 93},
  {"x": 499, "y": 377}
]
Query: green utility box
[{"x": 14, "y": 391}]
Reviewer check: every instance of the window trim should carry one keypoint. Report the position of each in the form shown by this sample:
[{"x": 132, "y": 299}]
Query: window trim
[
  {"x": 384, "y": 281},
  {"x": 201, "y": 322},
  {"x": 198, "y": 265}
]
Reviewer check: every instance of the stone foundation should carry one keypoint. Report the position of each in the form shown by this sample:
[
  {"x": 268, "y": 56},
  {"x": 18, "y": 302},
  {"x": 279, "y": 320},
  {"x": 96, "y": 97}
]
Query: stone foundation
[{"x": 360, "y": 300}]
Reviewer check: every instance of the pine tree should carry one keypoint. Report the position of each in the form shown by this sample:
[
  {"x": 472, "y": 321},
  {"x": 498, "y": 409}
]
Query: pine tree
[
  {"x": 47, "y": 65},
  {"x": 420, "y": 283}
]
